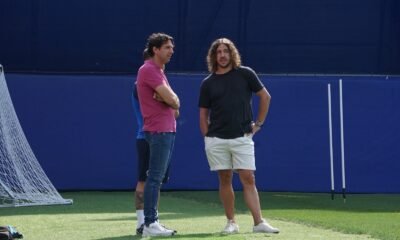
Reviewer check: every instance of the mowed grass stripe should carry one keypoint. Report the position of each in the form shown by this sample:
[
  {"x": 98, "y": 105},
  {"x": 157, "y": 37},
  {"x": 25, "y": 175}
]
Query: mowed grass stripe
[
  {"x": 377, "y": 215},
  {"x": 111, "y": 215}
]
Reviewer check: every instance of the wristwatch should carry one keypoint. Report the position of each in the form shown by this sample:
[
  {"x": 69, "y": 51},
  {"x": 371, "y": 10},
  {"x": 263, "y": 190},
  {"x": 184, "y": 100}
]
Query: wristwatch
[{"x": 258, "y": 124}]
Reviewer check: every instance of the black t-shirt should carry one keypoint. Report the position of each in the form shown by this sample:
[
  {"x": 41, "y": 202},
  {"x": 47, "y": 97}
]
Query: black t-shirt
[{"x": 228, "y": 98}]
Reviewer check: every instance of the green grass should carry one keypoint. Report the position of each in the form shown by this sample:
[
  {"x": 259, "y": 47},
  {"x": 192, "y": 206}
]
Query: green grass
[
  {"x": 371, "y": 214},
  {"x": 199, "y": 215}
]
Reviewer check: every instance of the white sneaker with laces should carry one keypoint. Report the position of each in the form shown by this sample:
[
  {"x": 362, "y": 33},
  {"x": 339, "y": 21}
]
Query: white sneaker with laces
[
  {"x": 265, "y": 228},
  {"x": 156, "y": 229},
  {"x": 231, "y": 227}
]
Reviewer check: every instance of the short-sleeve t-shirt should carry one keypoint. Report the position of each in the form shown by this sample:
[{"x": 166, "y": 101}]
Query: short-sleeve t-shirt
[
  {"x": 138, "y": 113},
  {"x": 228, "y": 97},
  {"x": 157, "y": 116}
]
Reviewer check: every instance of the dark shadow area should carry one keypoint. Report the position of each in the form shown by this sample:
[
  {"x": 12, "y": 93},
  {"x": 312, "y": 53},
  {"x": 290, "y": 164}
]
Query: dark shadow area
[
  {"x": 127, "y": 237},
  {"x": 180, "y": 205},
  {"x": 118, "y": 202},
  {"x": 178, "y": 236},
  {"x": 316, "y": 201}
]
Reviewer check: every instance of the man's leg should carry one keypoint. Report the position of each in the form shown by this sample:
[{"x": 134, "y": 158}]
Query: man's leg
[
  {"x": 143, "y": 155},
  {"x": 244, "y": 161},
  {"x": 139, "y": 201},
  {"x": 253, "y": 202},
  {"x": 139, "y": 204},
  {"x": 251, "y": 194},
  {"x": 220, "y": 159},
  {"x": 227, "y": 196},
  {"x": 160, "y": 147},
  {"x": 226, "y": 193}
]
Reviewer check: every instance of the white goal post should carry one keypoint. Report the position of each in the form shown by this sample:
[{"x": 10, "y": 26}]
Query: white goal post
[{"x": 22, "y": 180}]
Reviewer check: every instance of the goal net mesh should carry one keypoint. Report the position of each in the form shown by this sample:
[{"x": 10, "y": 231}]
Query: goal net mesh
[{"x": 22, "y": 180}]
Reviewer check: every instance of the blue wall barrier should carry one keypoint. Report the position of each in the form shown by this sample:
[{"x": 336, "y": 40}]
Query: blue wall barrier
[
  {"x": 286, "y": 36},
  {"x": 82, "y": 130}
]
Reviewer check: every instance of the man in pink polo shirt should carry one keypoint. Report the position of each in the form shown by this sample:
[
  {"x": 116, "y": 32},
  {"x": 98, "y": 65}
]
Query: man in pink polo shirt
[{"x": 160, "y": 106}]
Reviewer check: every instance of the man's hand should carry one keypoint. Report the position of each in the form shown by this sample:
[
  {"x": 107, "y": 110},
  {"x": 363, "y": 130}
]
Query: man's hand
[
  {"x": 255, "y": 128},
  {"x": 157, "y": 97}
]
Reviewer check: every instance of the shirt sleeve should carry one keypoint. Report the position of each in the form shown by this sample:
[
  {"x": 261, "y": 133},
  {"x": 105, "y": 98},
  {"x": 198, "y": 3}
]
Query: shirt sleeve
[
  {"x": 204, "y": 99},
  {"x": 154, "y": 78},
  {"x": 255, "y": 83}
]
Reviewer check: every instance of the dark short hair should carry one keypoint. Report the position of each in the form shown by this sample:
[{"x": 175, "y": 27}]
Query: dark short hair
[
  {"x": 157, "y": 40},
  {"x": 146, "y": 54}
]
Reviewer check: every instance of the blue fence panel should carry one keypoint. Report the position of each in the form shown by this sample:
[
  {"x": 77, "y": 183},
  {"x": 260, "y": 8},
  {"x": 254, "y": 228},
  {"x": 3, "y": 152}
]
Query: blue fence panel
[{"x": 82, "y": 130}]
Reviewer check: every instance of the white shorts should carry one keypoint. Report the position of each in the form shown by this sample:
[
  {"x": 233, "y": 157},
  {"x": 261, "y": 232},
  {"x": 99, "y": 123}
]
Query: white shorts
[{"x": 237, "y": 153}]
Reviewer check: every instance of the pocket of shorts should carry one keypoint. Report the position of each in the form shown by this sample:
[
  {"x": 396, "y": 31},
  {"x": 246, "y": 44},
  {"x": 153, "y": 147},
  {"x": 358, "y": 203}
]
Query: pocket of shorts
[
  {"x": 206, "y": 142},
  {"x": 249, "y": 135},
  {"x": 248, "y": 139}
]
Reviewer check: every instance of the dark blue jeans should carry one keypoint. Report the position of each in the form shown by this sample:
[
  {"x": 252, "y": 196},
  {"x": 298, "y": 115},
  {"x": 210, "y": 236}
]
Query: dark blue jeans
[{"x": 161, "y": 145}]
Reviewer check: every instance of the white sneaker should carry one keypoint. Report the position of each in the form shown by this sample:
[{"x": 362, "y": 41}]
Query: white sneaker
[
  {"x": 231, "y": 227},
  {"x": 156, "y": 229},
  {"x": 265, "y": 228}
]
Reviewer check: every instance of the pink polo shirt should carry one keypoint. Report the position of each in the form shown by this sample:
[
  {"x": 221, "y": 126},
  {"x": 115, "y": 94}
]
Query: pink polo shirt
[{"x": 157, "y": 116}]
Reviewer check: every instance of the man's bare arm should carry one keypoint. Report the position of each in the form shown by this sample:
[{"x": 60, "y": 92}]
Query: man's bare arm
[
  {"x": 204, "y": 121},
  {"x": 168, "y": 96},
  {"x": 263, "y": 107}
]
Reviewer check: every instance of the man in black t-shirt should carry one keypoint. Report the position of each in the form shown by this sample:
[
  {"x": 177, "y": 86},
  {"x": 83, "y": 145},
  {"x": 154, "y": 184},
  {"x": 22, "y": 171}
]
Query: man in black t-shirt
[{"x": 226, "y": 122}]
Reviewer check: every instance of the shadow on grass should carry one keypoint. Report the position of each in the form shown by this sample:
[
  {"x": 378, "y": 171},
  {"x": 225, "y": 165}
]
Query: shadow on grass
[
  {"x": 127, "y": 237},
  {"x": 178, "y": 236},
  {"x": 178, "y": 205},
  {"x": 306, "y": 201},
  {"x": 118, "y": 203},
  {"x": 163, "y": 216}
]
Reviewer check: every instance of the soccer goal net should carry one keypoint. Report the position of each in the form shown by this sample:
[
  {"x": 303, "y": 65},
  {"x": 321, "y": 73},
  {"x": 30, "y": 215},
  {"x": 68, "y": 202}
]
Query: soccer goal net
[{"x": 22, "y": 180}]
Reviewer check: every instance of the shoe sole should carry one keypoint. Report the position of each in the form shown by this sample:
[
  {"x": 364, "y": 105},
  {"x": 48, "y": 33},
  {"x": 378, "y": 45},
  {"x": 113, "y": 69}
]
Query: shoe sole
[
  {"x": 265, "y": 232},
  {"x": 226, "y": 233},
  {"x": 158, "y": 235}
]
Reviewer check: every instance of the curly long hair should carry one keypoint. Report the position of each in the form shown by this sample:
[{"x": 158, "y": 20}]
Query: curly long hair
[{"x": 212, "y": 54}]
